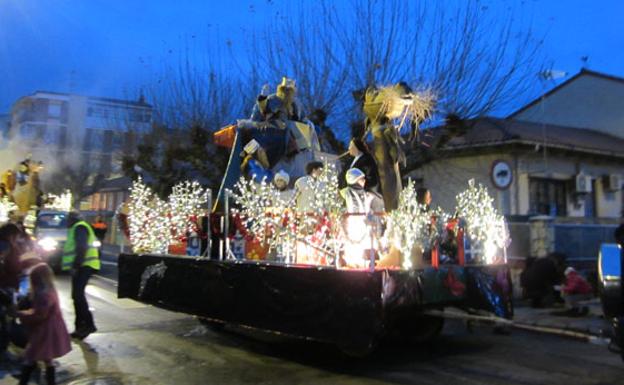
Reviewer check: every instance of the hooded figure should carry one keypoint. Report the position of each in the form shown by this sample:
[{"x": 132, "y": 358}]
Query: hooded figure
[
  {"x": 281, "y": 181},
  {"x": 362, "y": 227}
]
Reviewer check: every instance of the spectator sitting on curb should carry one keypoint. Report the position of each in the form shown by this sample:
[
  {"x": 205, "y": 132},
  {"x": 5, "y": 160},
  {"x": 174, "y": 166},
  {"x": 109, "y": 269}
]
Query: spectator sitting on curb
[{"x": 574, "y": 290}]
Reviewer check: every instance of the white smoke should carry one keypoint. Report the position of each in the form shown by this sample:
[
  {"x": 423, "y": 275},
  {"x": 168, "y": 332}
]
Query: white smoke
[{"x": 14, "y": 151}]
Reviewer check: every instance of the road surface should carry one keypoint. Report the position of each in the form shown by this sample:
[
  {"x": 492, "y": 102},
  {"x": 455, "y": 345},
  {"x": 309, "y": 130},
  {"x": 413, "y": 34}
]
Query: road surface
[{"x": 139, "y": 344}]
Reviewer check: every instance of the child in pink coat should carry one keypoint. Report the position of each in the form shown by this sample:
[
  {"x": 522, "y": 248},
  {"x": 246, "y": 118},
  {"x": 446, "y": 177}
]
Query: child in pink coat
[{"x": 47, "y": 334}]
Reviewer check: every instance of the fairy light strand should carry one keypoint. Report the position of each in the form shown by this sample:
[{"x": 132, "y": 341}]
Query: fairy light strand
[{"x": 486, "y": 229}]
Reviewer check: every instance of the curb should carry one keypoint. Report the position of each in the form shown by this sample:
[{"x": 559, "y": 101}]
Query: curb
[{"x": 582, "y": 335}]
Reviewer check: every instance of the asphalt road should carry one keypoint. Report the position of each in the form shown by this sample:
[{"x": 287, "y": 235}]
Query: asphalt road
[{"x": 138, "y": 344}]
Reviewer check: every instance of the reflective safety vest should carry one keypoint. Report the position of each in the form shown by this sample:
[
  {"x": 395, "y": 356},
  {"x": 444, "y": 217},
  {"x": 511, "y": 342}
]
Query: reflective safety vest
[{"x": 91, "y": 258}]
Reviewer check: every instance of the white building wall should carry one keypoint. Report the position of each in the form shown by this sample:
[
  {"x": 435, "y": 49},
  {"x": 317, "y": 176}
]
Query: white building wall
[
  {"x": 587, "y": 102},
  {"x": 447, "y": 177},
  {"x": 608, "y": 203},
  {"x": 76, "y": 123}
]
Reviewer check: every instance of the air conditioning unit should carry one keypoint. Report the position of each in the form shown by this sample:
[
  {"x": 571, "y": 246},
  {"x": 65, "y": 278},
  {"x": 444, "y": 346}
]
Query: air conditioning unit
[
  {"x": 612, "y": 182},
  {"x": 583, "y": 184}
]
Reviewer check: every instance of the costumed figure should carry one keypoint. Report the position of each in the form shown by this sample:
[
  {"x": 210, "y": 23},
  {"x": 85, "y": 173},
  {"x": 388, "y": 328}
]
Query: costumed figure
[
  {"x": 8, "y": 180},
  {"x": 304, "y": 189},
  {"x": 305, "y": 196},
  {"x": 23, "y": 171},
  {"x": 298, "y": 139},
  {"x": 327, "y": 139},
  {"x": 362, "y": 228},
  {"x": 382, "y": 106},
  {"x": 281, "y": 105},
  {"x": 277, "y": 125},
  {"x": 364, "y": 161},
  {"x": 283, "y": 251},
  {"x": 255, "y": 164},
  {"x": 26, "y": 191},
  {"x": 281, "y": 181}
]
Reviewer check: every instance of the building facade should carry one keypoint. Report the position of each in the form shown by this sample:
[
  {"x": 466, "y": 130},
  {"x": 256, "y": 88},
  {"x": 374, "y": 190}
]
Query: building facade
[
  {"x": 588, "y": 100},
  {"x": 76, "y": 127},
  {"x": 577, "y": 176},
  {"x": 4, "y": 129},
  {"x": 563, "y": 160}
]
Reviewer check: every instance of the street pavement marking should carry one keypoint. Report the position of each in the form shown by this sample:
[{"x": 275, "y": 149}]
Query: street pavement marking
[{"x": 111, "y": 298}]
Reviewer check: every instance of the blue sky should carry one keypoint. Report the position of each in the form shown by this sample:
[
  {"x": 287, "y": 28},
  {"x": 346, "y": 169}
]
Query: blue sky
[{"x": 110, "y": 48}]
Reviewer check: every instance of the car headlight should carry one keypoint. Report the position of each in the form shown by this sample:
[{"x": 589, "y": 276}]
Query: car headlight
[{"x": 48, "y": 244}]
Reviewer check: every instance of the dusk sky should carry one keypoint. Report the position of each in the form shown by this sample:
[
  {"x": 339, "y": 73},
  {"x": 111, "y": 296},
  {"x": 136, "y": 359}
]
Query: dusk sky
[{"x": 111, "y": 48}]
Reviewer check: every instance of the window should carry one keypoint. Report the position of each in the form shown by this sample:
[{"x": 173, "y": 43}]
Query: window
[
  {"x": 54, "y": 110},
  {"x": 51, "y": 136},
  {"x": 95, "y": 140},
  {"x": 547, "y": 197}
]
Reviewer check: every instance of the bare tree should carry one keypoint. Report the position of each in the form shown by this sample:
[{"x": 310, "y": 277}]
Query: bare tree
[
  {"x": 190, "y": 102},
  {"x": 475, "y": 61},
  {"x": 302, "y": 45},
  {"x": 192, "y": 94}
]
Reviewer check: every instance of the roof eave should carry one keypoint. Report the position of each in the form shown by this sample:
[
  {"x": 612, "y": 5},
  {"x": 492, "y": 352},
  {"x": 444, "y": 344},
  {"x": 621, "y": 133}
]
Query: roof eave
[{"x": 532, "y": 143}]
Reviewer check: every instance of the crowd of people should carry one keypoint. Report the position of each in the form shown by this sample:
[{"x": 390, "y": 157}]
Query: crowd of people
[{"x": 30, "y": 314}]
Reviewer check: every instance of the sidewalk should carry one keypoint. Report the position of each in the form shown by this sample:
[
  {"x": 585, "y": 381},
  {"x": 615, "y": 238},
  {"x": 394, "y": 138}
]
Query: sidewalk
[{"x": 591, "y": 325}]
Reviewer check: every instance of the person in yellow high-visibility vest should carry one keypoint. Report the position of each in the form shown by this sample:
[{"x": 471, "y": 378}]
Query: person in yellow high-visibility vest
[{"x": 81, "y": 256}]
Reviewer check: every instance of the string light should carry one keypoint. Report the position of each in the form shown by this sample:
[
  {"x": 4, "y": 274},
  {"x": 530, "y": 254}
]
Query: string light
[
  {"x": 154, "y": 224},
  {"x": 484, "y": 226},
  {"x": 148, "y": 220},
  {"x": 409, "y": 225},
  {"x": 6, "y": 206},
  {"x": 63, "y": 202},
  {"x": 270, "y": 218},
  {"x": 186, "y": 204}
]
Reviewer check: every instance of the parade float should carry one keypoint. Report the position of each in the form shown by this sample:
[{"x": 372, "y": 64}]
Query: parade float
[{"x": 327, "y": 271}]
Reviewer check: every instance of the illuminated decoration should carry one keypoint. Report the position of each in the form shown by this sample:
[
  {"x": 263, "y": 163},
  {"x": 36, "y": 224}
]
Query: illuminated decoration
[
  {"x": 187, "y": 202},
  {"x": 325, "y": 191},
  {"x": 6, "y": 206},
  {"x": 318, "y": 233},
  {"x": 484, "y": 226},
  {"x": 61, "y": 202},
  {"x": 155, "y": 224},
  {"x": 262, "y": 211},
  {"x": 148, "y": 220},
  {"x": 270, "y": 219},
  {"x": 409, "y": 226}
]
